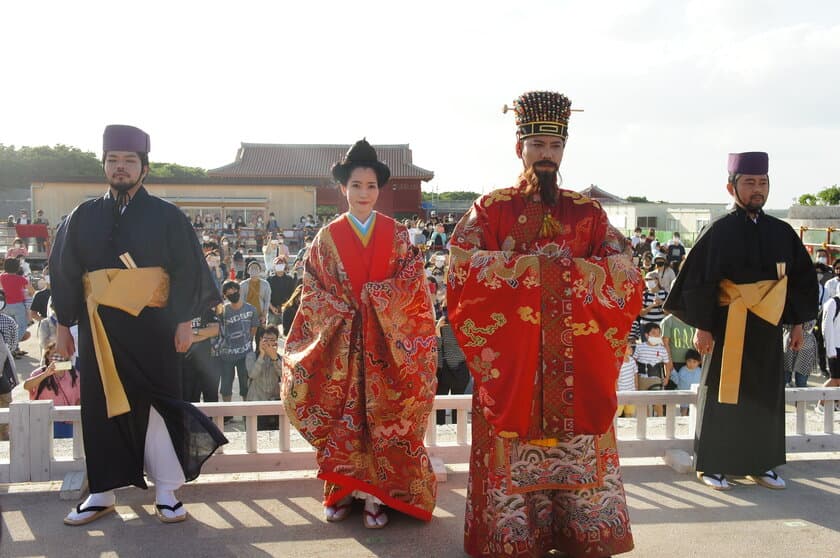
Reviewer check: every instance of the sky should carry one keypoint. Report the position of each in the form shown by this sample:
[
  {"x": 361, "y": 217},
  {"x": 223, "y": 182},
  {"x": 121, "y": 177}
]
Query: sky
[{"x": 668, "y": 87}]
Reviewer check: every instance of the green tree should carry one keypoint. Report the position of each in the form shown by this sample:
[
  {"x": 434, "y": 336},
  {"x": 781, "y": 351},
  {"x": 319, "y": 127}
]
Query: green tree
[
  {"x": 829, "y": 196},
  {"x": 19, "y": 167},
  {"x": 637, "y": 199},
  {"x": 172, "y": 170},
  {"x": 459, "y": 195},
  {"x": 826, "y": 196},
  {"x": 807, "y": 199}
]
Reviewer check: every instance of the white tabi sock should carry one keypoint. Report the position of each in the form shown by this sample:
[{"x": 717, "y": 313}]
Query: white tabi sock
[
  {"x": 104, "y": 499},
  {"x": 162, "y": 465},
  {"x": 372, "y": 505}
]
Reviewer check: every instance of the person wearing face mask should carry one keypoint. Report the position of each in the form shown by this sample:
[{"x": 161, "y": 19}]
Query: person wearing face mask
[
  {"x": 282, "y": 286},
  {"x": 274, "y": 248},
  {"x": 652, "y": 358},
  {"x": 824, "y": 272},
  {"x": 653, "y": 300},
  {"x": 128, "y": 269},
  {"x": 665, "y": 274},
  {"x": 239, "y": 322},
  {"x": 256, "y": 291}
]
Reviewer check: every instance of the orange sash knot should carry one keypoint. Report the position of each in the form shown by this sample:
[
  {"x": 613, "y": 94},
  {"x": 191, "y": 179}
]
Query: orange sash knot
[
  {"x": 129, "y": 290},
  {"x": 765, "y": 299}
]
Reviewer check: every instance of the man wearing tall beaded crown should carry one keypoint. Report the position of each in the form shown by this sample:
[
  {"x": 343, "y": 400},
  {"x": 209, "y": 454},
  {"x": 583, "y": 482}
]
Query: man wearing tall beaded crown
[{"x": 541, "y": 294}]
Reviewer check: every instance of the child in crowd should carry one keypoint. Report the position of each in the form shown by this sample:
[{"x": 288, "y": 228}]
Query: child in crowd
[
  {"x": 651, "y": 357},
  {"x": 628, "y": 378},
  {"x": 688, "y": 375},
  {"x": 653, "y": 300}
]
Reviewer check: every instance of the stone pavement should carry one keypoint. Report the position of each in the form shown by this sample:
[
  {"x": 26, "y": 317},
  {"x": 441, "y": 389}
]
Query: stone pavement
[{"x": 247, "y": 515}]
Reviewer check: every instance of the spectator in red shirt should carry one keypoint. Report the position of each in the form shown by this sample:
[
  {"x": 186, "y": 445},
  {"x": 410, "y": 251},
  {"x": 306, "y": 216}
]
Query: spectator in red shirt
[{"x": 16, "y": 288}]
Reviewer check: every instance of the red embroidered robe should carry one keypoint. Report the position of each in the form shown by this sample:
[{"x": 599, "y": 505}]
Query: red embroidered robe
[
  {"x": 543, "y": 323},
  {"x": 359, "y": 369}
]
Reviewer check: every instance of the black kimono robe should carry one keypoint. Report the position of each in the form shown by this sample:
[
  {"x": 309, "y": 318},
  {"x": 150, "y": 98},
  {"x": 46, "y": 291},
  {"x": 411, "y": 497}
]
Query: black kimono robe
[
  {"x": 748, "y": 437},
  {"x": 155, "y": 233}
]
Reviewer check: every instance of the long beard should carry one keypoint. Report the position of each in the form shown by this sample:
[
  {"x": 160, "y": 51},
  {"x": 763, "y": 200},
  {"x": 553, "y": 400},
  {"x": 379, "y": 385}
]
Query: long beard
[{"x": 542, "y": 182}]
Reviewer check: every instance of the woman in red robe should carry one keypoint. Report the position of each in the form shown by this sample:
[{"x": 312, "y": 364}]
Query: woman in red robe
[{"x": 359, "y": 372}]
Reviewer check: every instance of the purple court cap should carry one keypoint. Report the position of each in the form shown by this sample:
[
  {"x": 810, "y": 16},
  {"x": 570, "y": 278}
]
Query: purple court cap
[
  {"x": 118, "y": 137},
  {"x": 751, "y": 162}
]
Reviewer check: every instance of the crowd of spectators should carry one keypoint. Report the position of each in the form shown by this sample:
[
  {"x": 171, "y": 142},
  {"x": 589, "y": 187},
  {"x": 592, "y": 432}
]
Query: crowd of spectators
[
  {"x": 239, "y": 342},
  {"x": 662, "y": 354},
  {"x": 660, "y": 346}
]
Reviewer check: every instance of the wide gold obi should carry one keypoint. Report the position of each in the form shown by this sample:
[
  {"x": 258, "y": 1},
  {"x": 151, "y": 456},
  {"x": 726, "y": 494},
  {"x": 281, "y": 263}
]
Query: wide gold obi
[
  {"x": 765, "y": 299},
  {"x": 129, "y": 290}
]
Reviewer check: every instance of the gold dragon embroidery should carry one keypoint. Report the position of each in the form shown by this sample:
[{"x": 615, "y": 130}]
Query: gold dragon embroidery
[
  {"x": 471, "y": 330},
  {"x": 497, "y": 268}
]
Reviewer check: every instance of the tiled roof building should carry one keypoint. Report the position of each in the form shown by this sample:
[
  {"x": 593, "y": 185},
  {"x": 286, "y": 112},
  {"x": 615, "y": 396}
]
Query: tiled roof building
[
  {"x": 312, "y": 161},
  {"x": 310, "y": 164}
]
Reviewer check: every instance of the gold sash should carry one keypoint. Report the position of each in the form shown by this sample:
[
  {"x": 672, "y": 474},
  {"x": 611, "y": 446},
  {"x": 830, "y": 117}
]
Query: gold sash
[
  {"x": 129, "y": 290},
  {"x": 765, "y": 299}
]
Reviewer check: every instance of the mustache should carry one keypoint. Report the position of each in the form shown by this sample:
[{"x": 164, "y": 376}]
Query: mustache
[{"x": 545, "y": 162}]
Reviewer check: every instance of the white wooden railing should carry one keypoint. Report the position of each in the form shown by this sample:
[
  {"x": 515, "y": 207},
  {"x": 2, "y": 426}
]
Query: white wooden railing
[{"x": 32, "y": 456}]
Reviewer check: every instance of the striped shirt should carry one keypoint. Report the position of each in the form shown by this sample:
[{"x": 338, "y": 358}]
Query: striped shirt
[
  {"x": 627, "y": 375},
  {"x": 654, "y": 314},
  {"x": 650, "y": 354}
]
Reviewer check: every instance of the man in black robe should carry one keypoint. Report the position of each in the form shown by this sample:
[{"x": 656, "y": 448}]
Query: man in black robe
[
  {"x": 747, "y": 274},
  {"x": 128, "y": 269}
]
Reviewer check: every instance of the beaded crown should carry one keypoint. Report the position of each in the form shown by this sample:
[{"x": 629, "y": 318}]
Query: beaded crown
[{"x": 542, "y": 113}]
